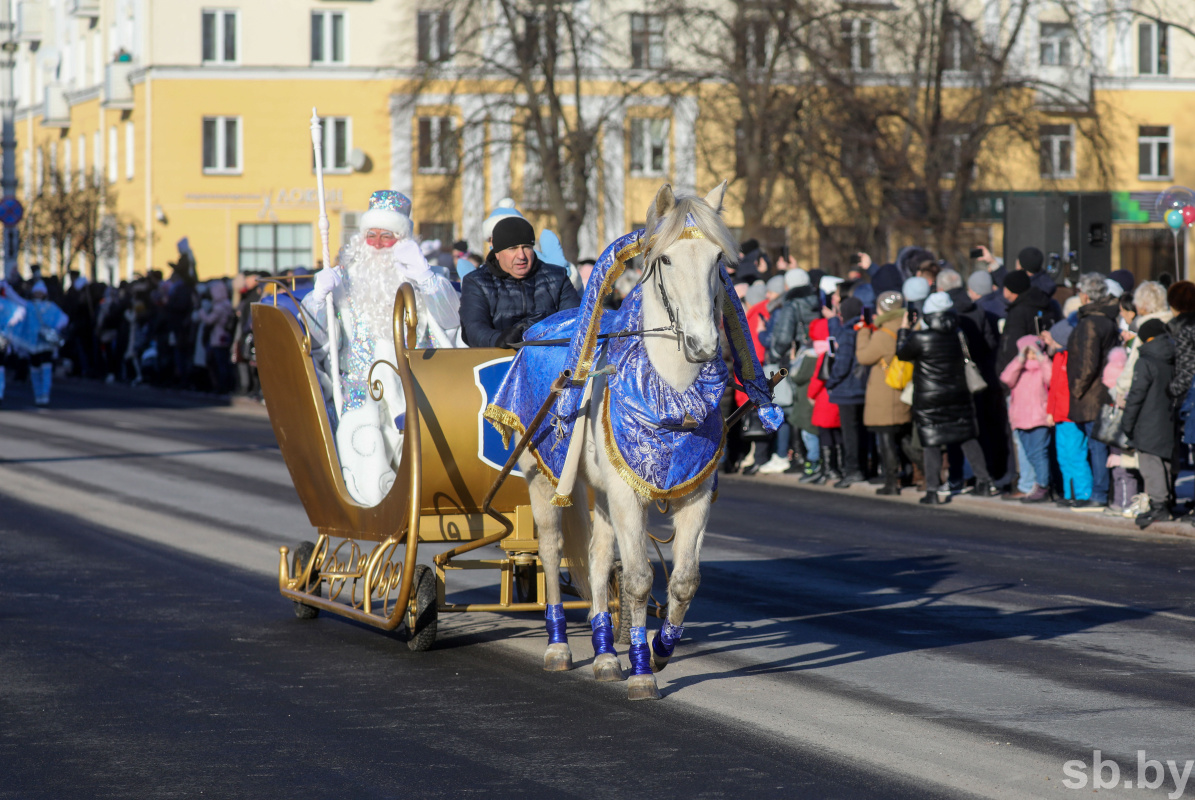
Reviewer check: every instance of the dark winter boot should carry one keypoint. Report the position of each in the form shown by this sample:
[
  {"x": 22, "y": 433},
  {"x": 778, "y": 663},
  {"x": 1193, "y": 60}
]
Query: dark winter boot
[
  {"x": 1158, "y": 512},
  {"x": 934, "y": 499}
]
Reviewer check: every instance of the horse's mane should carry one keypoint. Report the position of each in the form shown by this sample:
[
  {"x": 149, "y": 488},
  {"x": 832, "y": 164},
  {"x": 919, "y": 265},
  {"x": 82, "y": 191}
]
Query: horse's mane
[{"x": 665, "y": 231}]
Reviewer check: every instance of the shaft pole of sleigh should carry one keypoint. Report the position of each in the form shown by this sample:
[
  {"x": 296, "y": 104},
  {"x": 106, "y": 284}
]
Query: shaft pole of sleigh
[
  {"x": 738, "y": 413},
  {"x": 317, "y": 146}
]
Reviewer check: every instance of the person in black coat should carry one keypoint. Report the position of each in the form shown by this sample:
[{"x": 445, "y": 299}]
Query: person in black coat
[
  {"x": 1029, "y": 313},
  {"x": 512, "y": 290},
  {"x": 1149, "y": 418},
  {"x": 943, "y": 410}
]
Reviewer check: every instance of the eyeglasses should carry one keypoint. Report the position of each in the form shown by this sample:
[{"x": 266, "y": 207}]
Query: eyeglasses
[{"x": 378, "y": 237}]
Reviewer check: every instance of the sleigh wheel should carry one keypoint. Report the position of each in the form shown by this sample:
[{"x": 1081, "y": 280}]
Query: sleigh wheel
[
  {"x": 422, "y": 613},
  {"x": 620, "y": 620},
  {"x": 303, "y": 554}
]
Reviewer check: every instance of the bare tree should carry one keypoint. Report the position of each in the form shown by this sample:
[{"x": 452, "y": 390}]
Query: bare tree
[
  {"x": 537, "y": 60},
  {"x": 72, "y": 215}
]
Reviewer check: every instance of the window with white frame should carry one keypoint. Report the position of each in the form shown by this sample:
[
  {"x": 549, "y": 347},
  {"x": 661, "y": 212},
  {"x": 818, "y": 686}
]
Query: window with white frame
[
  {"x": 647, "y": 41},
  {"x": 1153, "y": 152},
  {"x": 1057, "y": 151},
  {"x": 219, "y": 36},
  {"x": 858, "y": 43},
  {"x": 959, "y": 44},
  {"x": 1056, "y": 44},
  {"x": 336, "y": 140},
  {"x": 112, "y": 155},
  {"x": 438, "y": 145},
  {"x": 129, "y": 146},
  {"x": 435, "y": 36},
  {"x": 221, "y": 145},
  {"x": 1152, "y": 54},
  {"x": 273, "y": 247},
  {"x": 649, "y": 146},
  {"x": 68, "y": 173},
  {"x": 327, "y": 37}
]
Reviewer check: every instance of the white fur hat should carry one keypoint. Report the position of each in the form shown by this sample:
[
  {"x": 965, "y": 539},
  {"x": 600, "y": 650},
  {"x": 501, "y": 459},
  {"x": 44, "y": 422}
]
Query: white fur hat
[{"x": 389, "y": 211}]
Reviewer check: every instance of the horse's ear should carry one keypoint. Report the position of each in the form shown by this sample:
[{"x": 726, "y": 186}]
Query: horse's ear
[
  {"x": 663, "y": 203},
  {"x": 714, "y": 198}
]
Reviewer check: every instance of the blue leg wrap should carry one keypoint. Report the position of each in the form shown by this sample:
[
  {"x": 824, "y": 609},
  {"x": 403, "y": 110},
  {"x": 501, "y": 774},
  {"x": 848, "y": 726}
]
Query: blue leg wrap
[
  {"x": 640, "y": 656},
  {"x": 554, "y": 614},
  {"x": 603, "y": 635},
  {"x": 667, "y": 638}
]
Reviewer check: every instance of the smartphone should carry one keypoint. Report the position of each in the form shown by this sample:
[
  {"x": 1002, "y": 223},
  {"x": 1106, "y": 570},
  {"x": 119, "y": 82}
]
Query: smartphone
[
  {"x": 784, "y": 252},
  {"x": 913, "y": 316},
  {"x": 976, "y": 252},
  {"x": 856, "y": 260}
]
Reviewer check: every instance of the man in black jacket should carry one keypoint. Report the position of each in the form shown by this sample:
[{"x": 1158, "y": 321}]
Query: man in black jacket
[
  {"x": 1029, "y": 313},
  {"x": 512, "y": 290}
]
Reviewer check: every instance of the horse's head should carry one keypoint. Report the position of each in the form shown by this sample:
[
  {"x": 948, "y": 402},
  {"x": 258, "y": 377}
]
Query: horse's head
[{"x": 686, "y": 242}]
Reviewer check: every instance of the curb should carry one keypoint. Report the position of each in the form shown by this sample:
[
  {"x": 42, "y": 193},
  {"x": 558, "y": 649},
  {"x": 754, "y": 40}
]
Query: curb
[{"x": 991, "y": 507}]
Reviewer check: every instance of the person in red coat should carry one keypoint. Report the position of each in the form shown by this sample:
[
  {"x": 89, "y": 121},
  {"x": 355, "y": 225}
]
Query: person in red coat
[
  {"x": 1069, "y": 441},
  {"x": 825, "y": 413}
]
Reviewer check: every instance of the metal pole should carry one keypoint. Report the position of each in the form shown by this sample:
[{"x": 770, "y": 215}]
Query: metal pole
[{"x": 8, "y": 137}]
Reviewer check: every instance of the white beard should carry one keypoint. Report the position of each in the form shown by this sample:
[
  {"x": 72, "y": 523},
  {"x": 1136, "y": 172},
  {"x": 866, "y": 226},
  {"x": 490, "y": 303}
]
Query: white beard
[{"x": 371, "y": 281}]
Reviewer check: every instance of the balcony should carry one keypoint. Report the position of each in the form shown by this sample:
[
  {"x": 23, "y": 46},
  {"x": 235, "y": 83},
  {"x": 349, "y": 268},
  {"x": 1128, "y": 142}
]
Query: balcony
[
  {"x": 30, "y": 20},
  {"x": 56, "y": 113},
  {"x": 118, "y": 91},
  {"x": 89, "y": 9}
]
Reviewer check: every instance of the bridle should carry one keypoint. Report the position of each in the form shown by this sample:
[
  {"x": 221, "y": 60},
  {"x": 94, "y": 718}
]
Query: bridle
[{"x": 674, "y": 323}]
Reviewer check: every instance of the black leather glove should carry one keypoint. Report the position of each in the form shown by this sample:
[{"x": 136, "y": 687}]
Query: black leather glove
[{"x": 512, "y": 335}]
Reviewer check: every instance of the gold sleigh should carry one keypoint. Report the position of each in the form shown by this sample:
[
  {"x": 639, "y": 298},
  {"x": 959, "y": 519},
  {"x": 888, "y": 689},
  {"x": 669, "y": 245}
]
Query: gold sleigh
[{"x": 363, "y": 563}]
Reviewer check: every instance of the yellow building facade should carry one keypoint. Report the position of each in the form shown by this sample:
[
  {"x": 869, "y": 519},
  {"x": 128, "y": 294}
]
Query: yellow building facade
[{"x": 196, "y": 116}]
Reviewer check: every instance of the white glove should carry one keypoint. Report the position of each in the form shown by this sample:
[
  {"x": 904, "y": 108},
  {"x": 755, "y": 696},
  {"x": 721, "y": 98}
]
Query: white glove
[
  {"x": 410, "y": 261},
  {"x": 18, "y": 316},
  {"x": 325, "y": 281}
]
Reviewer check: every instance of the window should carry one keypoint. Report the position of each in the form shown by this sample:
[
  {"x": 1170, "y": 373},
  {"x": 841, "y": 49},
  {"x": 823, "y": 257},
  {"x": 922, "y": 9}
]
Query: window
[
  {"x": 68, "y": 175},
  {"x": 112, "y": 155},
  {"x": 437, "y": 145},
  {"x": 435, "y": 36},
  {"x": 959, "y": 44},
  {"x": 82, "y": 162},
  {"x": 858, "y": 44},
  {"x": 337, "y": 142},
  {"x": 97, "y": 158},
  {"x": 1152, "y": 58},
  {"x": 649, "y": 146},
  {"x": 755, "y": 42},
  {"x": 1153, "y": 152},
  {"x": 222, "y": 145},
  {"x": 1056, "y": 44},
  {"x": 327, "y": 37},
  {"x": 647, "y": 41},
  {"x": 219, "y": 37},
  {"x": 129, "y": 142},
  {"x": 1057, "y": 151},
  {"x": 273, "y": 247}
]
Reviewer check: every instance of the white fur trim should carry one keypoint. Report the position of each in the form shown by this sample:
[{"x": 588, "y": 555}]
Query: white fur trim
[{"x": 386, "y": 220}]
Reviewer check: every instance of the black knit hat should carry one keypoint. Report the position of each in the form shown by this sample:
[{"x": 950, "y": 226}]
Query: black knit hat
[
  {"x": 1031, "y": 260},
  {"x": 1017, "y": 281},
  {"x": 513, "y": 231},
  {"x": 1151, "y": 329}
]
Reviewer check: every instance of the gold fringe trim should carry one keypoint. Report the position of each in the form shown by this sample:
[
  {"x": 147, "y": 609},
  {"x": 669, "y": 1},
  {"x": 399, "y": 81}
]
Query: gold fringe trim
[
  {"x": 642, "y": 487},
  {"x": 562, "y": 500},
  {"x": 506, "y": 422}
]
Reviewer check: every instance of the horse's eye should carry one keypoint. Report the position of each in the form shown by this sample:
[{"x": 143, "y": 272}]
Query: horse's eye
[{"x": 665, "y": 260}]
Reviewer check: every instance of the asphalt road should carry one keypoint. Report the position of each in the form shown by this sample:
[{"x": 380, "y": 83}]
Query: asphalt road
[{"x": 839, "y": 646}]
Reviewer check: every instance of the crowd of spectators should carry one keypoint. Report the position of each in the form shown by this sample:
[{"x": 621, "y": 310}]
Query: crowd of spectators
[{"x": 1003, "y": 383}]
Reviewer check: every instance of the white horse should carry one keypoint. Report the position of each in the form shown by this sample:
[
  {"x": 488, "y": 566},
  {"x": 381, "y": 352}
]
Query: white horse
[{"x": 682, "y": 291}]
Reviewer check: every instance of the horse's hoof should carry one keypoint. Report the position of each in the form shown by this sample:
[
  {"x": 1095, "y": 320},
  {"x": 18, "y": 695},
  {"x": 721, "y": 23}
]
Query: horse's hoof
[
  {"x": 658, "y": 662},
  {"x": 642, "y": 687},
  {"x": 607, "y": 667},
  {"x": 558, "y": 658}
]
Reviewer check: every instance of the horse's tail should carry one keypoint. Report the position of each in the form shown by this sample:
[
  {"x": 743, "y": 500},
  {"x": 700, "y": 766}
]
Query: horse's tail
[{"x": 575, "y": 531}]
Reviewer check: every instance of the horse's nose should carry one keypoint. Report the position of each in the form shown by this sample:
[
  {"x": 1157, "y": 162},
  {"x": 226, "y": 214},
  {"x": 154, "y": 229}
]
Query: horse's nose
[{"x": 696, "y": 350}]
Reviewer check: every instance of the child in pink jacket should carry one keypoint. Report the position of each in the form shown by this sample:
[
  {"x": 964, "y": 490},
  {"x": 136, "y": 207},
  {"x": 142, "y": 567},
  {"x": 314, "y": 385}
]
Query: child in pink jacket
[{"x": 1028, "y": 378}]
